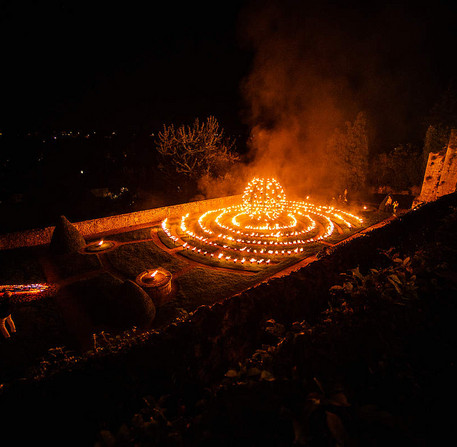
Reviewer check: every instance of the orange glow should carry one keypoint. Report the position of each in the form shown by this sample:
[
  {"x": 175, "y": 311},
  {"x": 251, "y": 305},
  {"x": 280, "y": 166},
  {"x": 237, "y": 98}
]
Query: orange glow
[
  {"x": 264, "y": 198},
  {"x": 264, "y": 228},
  {"x": 20, "y": 289}
]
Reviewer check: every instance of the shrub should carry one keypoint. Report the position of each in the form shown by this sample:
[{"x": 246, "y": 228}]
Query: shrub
[
  {"x": 66, "y": 238},
  {"x": 134, "y": 306}
]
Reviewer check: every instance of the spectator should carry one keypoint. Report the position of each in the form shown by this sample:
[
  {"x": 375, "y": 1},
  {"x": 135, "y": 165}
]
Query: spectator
[
  {"x": 5, "y": 315},
  {"x": 386, "y": 204},
  {"x": 394, "y": 207}
]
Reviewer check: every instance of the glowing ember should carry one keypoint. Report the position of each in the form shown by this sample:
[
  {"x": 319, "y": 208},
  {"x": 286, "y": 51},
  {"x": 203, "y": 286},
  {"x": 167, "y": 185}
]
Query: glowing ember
[
  {"x": 264, "y": 199},
  {"x": 264, "y": 228},
  {"x": 152, "y": 277},
  {"x": 156, "y": 283},
  {"x": 99, "y": 246},
  {"x": 19, "y": 289}
]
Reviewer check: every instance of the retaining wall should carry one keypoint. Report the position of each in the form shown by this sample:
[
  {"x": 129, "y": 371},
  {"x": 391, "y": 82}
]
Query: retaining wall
[
  {"x": 88, "y": 228},
  {"x": 441, "y": 172},
  {"x": 195, "y": 353}
]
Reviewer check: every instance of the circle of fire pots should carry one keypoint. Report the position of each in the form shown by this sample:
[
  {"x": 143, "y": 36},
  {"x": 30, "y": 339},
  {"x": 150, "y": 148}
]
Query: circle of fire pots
[{"x": 157, "y": 283}]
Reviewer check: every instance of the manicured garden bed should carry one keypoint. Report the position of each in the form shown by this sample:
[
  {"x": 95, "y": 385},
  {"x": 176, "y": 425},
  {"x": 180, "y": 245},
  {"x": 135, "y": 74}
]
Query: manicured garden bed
[
  {"x": 132, "y": 259},
  {"x": 295, "y": 360}
]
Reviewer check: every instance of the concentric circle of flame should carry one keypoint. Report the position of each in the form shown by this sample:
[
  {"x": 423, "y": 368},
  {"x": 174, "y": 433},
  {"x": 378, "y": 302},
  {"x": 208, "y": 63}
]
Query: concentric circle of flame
[{"x": 265, "y": 227}]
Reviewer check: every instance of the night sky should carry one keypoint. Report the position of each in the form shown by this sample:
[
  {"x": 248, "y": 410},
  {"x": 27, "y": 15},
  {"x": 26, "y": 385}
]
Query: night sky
[
  {"x": 120, "y": 65},
  {"x": 110, "y": 65}
]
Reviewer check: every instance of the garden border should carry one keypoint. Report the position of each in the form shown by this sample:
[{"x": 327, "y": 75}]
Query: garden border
[{"x": 89, "y": 228}]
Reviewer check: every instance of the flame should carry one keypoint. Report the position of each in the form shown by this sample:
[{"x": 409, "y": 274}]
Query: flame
[
  {"x": 18, "y": 289},
  {"x": 100, "y": 243},
  {"x": 264, "y": 199},
  {"x": 264, "y": 224},
  {"x": 154, "y": 273}
]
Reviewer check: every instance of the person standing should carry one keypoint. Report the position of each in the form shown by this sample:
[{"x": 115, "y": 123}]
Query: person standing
[
  {"x": 386, "y": 204},
  {"x": 5, "y": 315},
  {"x": 394, "y": 207}
]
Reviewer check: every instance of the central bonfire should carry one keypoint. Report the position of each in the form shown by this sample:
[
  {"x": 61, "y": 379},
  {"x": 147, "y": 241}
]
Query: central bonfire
[
  {"x": 264, "y": 228},
  {"x": 264, "y": 199}
]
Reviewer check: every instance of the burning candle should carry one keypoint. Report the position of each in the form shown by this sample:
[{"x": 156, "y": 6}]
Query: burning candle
[
  {"x": 99, "y": 246},
  {"x": 264, "y": 222}
]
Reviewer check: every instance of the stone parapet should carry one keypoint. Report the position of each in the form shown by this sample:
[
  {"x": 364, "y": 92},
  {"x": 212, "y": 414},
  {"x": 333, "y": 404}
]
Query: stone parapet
[
  {"x": 448, "y": 179},
  {"x": 88, "y": 228},
  {"x": 441, "y": 172}
]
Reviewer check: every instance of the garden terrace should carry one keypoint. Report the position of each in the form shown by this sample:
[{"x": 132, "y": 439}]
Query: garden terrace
[
  {"x": 209, "y": 341},
  {"x": 84, "y": 286},
  {"x": 264, "y": 229}
]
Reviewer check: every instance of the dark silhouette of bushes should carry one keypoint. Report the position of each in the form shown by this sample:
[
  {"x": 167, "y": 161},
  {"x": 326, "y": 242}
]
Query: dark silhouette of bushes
[
  {"x": 198, "y": 351},
  {"x": 134, "y": 306},
  {"x": 113, "y": 304}
]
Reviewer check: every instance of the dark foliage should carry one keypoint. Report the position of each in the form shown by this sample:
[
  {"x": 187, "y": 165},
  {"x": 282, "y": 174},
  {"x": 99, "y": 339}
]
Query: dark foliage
[
  {"x": 112, "y": 303},
  {"x": 296, "y": 360},
  {"x": 135, "y": 307}
]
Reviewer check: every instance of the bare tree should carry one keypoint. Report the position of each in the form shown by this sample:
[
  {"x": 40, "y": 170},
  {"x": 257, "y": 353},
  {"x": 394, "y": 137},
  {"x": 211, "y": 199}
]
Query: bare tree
[{"x": 197, "y": 150}]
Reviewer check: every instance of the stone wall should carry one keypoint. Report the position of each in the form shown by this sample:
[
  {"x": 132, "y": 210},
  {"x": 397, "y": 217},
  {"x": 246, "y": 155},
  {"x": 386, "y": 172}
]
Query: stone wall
[
  {"x": 441, "y": 172},
  {"x": 448, "y": 178},
  {"x": 88, "y": 228}
]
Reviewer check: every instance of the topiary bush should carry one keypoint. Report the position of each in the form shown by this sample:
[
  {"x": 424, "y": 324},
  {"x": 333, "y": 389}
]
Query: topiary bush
[
  {"x": 66, "y": 238},
  {"x": 112, "y": 304},
  {"x": 134, "y": 306}
]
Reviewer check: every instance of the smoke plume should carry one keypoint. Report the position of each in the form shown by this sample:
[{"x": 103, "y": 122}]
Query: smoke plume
[{"x": 314, "y": 67}]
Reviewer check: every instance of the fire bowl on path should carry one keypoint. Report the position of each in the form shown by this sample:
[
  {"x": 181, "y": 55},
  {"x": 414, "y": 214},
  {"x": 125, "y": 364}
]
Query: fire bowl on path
[
  {"x": 97, "y": 247},
  {"x": 157, "y": 282}
]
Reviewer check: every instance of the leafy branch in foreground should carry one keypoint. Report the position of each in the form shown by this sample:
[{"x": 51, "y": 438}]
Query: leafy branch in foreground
[{"x": 396, "y": 282}]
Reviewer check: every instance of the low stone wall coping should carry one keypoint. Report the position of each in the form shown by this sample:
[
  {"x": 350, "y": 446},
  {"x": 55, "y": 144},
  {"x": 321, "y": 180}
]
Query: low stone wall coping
[{"x": 88, "y": 228}]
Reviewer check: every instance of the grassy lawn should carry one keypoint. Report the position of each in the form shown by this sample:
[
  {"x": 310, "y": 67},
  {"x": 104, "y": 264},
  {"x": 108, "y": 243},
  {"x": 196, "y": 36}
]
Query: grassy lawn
[
  {"x": 202, "y": 286},
  {"x": 132, "y": 259},
  {"x": 206, "y": 286}
]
